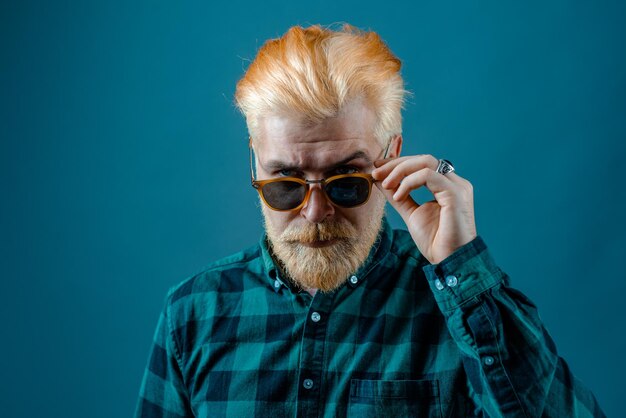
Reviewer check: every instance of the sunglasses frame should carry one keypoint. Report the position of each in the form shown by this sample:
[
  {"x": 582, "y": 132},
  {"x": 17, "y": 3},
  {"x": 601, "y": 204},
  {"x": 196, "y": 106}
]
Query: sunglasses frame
[{"x": 258, "y": 184}]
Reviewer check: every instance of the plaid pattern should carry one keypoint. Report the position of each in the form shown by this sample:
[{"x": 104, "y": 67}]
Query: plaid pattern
[{"x": 401, "y": 338}]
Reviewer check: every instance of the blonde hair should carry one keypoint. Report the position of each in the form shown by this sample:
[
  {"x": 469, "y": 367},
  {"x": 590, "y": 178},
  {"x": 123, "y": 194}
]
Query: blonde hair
[{"x": 314, "y": 72}]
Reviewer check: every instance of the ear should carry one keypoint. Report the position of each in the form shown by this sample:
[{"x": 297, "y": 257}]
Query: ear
[{"x": 396, "y": 147}]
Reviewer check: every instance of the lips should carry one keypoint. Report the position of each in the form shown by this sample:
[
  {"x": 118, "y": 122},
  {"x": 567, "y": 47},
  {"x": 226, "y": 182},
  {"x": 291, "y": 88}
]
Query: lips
[{"x": 319, "y": 244}]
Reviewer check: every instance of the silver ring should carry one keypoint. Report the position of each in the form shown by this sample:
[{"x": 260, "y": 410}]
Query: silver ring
[{"x": 445, "y": 167}]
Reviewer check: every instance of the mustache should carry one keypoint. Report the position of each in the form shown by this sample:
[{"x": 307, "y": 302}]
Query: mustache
[{"x": 326, "y": 231}]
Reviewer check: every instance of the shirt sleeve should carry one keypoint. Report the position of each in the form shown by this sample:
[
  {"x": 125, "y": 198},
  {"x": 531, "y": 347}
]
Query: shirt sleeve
[
  {"x": 163, "y": 392},
  {"x": 510, "y": 360}
]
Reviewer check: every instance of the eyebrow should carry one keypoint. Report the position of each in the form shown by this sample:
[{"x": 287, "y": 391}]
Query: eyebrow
[{"x": 279, "y": 165}]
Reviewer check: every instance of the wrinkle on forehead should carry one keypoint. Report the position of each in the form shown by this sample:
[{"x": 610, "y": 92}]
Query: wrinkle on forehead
[
  {"x": 293, "y": 141},
  {"x": 323, "y": 163},
  {"x": 289, "y": 133},
  {"x": 356, "y": 120},
  {"x": 313, "y": 153}
]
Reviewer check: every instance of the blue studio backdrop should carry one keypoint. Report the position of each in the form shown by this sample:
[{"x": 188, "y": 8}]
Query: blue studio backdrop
[{"x": 125, "y": 169}]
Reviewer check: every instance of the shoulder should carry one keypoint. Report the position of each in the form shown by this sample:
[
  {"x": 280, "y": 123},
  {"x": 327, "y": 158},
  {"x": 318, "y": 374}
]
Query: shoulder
[{"x": 231, "y": 274}]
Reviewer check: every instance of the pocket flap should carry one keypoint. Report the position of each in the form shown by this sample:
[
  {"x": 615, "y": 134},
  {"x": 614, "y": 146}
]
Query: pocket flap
[{"x": 396, "y": 389}]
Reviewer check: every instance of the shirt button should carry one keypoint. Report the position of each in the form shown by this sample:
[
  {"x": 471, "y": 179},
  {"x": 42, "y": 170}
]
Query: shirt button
[
  {"x": 451, "y": 281},
  {"x": 315, "y": 317},
  {"x": 308, "y": 383},
  {"x": 438, "y": 284},
  {"x": 354, "y": 280},
  {"x": 488, "y": 360},
  {"x": 276, "y": 284}
]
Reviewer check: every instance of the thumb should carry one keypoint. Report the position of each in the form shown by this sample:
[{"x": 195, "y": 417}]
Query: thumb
[{"x": 404, "y": 207}]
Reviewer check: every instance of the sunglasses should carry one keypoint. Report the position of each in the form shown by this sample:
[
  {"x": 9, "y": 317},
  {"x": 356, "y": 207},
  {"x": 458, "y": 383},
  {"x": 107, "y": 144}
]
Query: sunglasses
[{"x": 291, "y": 193}]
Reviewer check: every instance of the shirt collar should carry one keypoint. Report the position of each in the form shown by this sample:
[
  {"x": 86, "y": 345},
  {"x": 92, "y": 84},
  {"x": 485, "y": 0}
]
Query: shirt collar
[{"x": 379, "y": 250}]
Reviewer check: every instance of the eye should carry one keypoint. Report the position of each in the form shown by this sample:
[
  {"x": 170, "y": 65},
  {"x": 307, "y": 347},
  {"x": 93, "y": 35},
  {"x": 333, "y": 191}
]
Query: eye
[
  {"x": 288, "y": 173},
  {"x": 346, "y": 169}
]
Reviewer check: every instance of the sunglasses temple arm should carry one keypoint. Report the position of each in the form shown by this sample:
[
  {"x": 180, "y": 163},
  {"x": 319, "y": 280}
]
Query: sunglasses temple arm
[
  {"x": 251, "y": 171},
  {"x": 387, "y": 148},
  {"x": 384, "y": 155}
]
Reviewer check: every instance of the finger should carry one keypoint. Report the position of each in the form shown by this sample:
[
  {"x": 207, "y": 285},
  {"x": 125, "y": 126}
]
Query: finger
[
  {"x": 434, "y": 181},
  {"x": 464, "y": 186},
  {"x": 384, "y": 166},
  {"x": 382, "y": 161},
  {"x": 404, "y": 207},
  {"x": 455, "y": 178},
  {"x": 408, "y": 167},
  {"x": 452, "y": 176}
]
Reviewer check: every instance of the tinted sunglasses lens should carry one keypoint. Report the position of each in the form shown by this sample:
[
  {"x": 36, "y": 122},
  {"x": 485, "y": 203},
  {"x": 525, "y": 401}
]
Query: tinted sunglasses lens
[
  {"x": 284, "y": 195},
  {"x": 348, "y": 191}
]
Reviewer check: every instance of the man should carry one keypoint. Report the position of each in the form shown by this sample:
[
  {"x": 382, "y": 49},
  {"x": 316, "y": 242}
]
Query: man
[{"x": 334, "y": 313}]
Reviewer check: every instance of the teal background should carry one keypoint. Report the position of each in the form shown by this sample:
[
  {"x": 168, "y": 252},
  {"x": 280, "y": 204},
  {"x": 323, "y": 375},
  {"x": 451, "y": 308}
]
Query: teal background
[{"x": 124, "y": 169}]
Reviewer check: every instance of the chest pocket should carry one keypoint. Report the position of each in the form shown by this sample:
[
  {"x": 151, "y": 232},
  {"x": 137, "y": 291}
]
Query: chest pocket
[{"x": 394, "y": 398}]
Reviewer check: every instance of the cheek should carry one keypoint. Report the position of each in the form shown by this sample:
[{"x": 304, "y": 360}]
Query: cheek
[
  {"x": 372, "y": 210},
  {"x": 363, "y": 215},
  {"x": 278, "y": 221},
  {"x": 355, "y": 217},
  {"x": 377, "y": 198}
]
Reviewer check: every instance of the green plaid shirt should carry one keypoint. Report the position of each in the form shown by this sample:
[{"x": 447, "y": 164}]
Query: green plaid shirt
[{"x": 401, "y": 338}]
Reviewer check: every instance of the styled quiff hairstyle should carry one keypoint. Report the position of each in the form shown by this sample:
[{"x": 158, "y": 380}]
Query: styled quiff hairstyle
[{"x": 313, "y": 72}]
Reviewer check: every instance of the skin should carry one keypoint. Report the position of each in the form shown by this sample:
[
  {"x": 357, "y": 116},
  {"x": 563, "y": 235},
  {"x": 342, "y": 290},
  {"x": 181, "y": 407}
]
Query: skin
[
  {"x": 438, "y": 227},
  {"x": 313, "y": 151}
]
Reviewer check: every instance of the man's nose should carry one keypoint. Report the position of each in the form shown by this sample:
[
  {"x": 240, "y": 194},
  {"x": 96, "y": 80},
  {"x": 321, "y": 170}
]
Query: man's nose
[{"x": 318, "y": 207}]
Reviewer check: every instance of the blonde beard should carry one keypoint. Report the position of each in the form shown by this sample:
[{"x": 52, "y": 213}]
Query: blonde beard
[{"x": 325, "y": 268}]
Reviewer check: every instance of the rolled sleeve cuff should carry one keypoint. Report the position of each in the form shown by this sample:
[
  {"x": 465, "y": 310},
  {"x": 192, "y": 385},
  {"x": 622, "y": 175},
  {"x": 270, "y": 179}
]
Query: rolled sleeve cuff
[{"x": 463, "y": 275}]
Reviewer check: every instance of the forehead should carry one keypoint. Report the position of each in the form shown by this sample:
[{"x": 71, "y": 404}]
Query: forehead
[{"x": 289, "y": 139}]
